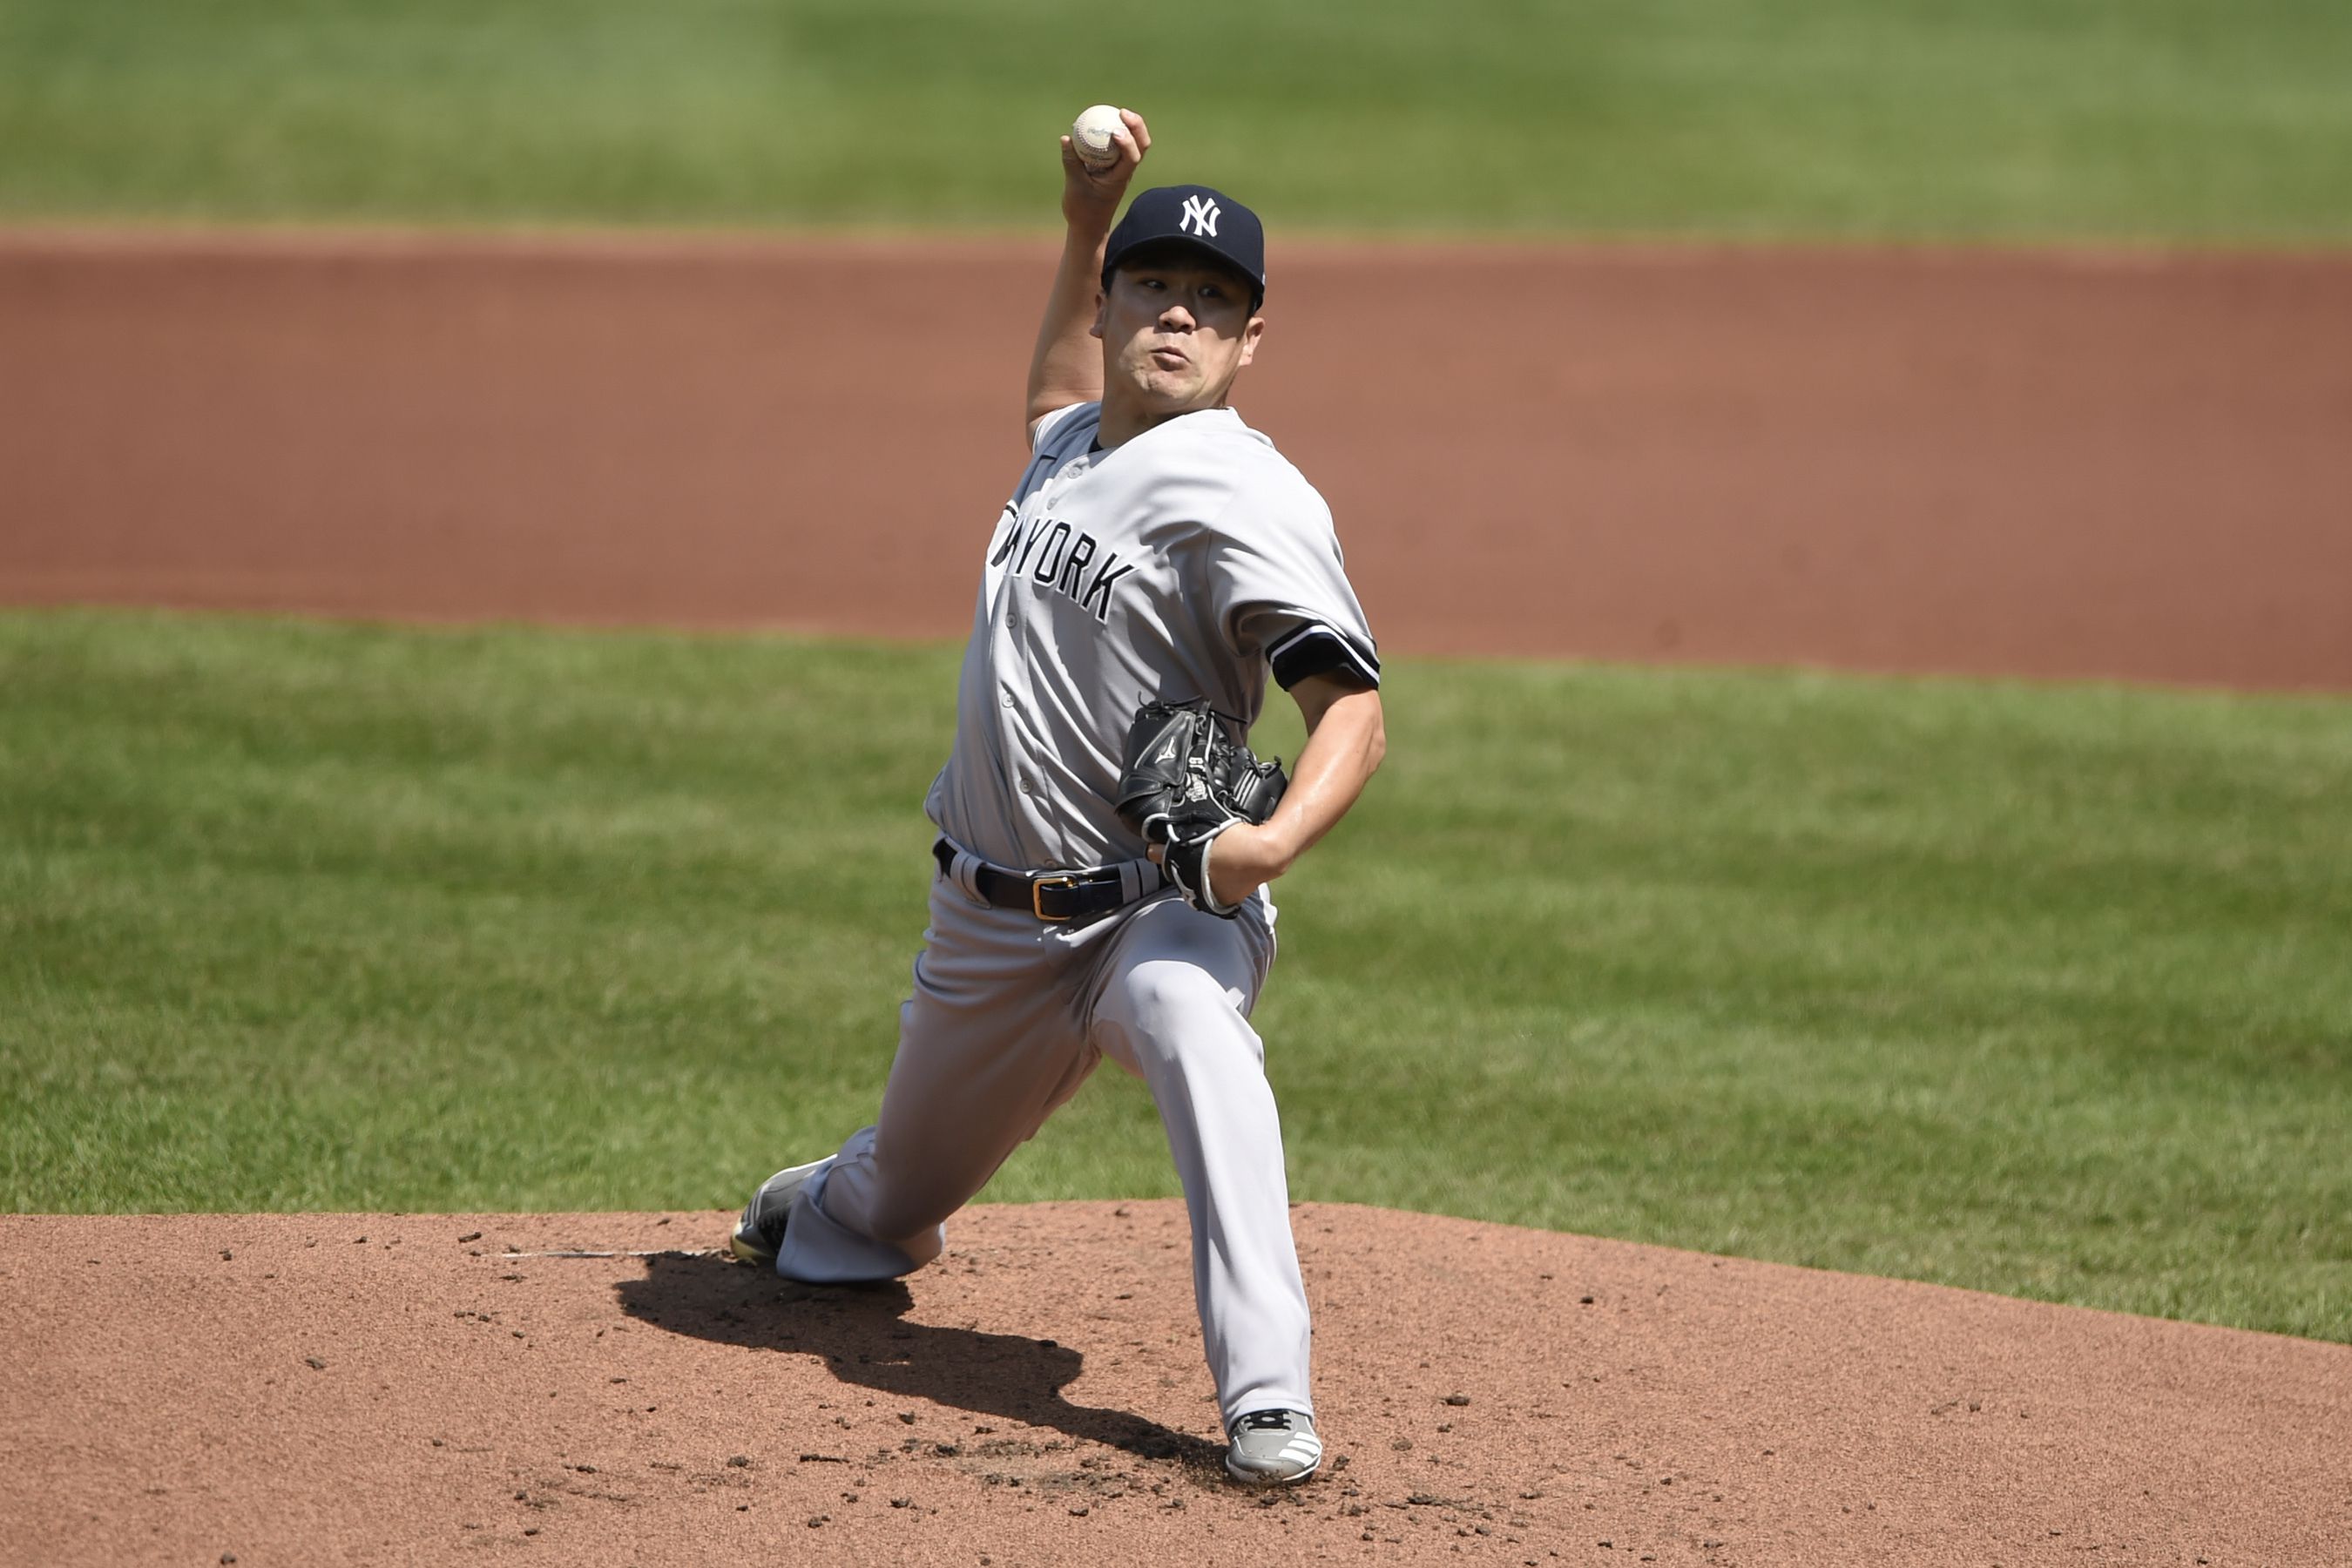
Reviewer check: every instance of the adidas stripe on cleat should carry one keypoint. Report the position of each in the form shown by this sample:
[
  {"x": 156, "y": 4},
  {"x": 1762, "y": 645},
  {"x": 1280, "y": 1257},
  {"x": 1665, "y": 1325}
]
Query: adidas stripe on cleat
[
  {"x": 759, "y": 1233},
  {"x": 1273, "y": 1449}
]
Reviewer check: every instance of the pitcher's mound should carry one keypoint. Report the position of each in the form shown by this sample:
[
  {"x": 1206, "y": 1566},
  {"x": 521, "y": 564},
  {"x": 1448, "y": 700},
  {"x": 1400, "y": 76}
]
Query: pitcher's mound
[{"x": 604, "y": 1388}]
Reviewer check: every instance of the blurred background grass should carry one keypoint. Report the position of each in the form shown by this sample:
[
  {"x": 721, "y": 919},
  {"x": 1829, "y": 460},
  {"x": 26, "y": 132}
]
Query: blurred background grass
[
  {"x": 2206, "y": 119},
  {"x": 2036, "y": 989}
]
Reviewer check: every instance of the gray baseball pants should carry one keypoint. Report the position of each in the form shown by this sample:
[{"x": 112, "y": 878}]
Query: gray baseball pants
[{"x": 1008, "y": 1016}]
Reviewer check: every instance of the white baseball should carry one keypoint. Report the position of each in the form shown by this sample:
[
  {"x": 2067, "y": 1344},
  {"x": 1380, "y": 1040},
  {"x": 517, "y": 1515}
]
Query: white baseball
[{"x": 1094, "y": 134}]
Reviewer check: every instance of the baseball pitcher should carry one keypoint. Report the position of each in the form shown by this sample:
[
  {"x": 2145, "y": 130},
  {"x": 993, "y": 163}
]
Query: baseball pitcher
[{"x": 1105, "y": 838}]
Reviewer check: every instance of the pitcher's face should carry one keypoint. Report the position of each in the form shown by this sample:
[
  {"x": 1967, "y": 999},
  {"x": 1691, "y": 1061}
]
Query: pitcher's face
[{"x": 1177, "y": 328}]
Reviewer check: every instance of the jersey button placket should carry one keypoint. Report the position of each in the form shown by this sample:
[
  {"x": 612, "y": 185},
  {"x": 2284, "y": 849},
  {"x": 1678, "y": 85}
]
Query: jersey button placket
[{"x": 1010, "y": 659}]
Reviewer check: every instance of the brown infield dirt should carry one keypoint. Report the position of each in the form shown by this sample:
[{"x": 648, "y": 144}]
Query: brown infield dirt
[
  {"x": 601, "y": 1388},
  {"x": 2127, "y": 466}
]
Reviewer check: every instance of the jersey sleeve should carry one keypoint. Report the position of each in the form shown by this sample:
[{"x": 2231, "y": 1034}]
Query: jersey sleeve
[
  {"x": 1060, "y": 422},
  {"x": 1059, "y": 436},
  {"x": 1280, "y": 589}
]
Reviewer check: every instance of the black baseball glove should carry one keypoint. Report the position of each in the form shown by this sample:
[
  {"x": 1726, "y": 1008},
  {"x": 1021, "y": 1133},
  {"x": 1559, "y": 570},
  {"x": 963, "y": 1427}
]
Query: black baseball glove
[{"x": 1185, "y": 782}]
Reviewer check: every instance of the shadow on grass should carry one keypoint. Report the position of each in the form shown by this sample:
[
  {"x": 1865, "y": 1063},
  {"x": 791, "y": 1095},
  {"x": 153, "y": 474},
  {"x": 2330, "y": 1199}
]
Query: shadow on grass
[{"x": 862, "y": 1334}]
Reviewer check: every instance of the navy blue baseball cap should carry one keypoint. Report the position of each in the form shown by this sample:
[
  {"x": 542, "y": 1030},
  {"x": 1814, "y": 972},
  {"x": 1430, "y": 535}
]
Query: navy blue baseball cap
[{"x": 1194, "y": 216}]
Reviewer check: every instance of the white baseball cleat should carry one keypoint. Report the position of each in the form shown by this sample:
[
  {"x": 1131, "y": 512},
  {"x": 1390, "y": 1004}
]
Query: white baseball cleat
[
  {"x": 759, "y": 1233},
  {"x": 1273, "y": 1449}
]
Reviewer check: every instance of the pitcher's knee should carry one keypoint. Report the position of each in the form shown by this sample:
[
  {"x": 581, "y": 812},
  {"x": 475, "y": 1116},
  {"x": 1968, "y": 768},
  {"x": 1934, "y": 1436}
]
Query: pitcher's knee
[
  {"x": 1160, "y": 993},
  {"x": 900, "y": 1218},
  {"x": 873, "y": 1201},
  {"x": 1174, "y": 1010}
]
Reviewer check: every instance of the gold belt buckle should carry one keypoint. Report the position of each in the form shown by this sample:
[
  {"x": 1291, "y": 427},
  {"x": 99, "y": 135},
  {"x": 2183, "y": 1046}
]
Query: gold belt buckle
[{"x": 1038, "y": 887}]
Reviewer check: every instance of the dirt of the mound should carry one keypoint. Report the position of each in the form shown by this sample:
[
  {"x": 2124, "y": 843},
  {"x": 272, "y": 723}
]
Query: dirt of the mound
[
  {"x": 1981, "y": 461},
  {"x": 600, "y": 1388}
]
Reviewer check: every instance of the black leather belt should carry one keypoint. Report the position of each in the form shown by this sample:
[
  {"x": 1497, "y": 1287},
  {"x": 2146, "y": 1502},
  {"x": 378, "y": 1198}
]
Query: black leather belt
[{"x": 1050, "y": 895}]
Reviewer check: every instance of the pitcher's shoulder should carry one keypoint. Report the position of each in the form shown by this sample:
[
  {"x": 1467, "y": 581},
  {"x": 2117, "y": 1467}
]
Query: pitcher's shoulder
[{"x": 1255, "y": 463}]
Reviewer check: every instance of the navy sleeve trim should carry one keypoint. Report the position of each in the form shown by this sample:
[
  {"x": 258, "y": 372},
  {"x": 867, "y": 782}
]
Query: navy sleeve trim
[{"x": 1316, "y": 649}]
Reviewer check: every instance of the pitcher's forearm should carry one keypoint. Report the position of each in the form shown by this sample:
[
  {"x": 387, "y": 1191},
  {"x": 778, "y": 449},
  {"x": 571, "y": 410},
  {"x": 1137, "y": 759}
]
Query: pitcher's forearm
[
  {"x": 1066, "y": 367},
  {"x": 1344, "y": 745},
  {"x": 1340, "y": 758}
]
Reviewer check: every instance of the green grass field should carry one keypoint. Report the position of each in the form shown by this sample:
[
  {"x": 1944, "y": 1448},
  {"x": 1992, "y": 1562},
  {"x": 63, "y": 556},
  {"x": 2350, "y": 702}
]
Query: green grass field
[
  {"x": 2041, "y": 990},
  {"x": 2201, "y": 119}
]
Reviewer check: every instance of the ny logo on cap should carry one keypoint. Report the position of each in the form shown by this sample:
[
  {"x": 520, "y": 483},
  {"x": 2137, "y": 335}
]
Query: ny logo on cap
[{"x": 1200, "y": 216}]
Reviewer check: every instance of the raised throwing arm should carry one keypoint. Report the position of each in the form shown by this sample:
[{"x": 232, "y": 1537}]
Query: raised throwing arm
[{"x": 1066, "y": 367}]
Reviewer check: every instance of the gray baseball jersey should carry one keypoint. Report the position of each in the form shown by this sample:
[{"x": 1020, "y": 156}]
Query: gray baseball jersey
[{"x": 1191, "y": 561}]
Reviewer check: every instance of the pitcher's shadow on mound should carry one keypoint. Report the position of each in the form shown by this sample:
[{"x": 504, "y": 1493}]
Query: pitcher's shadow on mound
[{"x": 862, "y": 1335}]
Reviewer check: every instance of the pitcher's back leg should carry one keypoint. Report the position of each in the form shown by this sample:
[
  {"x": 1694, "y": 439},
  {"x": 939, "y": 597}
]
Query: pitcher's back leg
[{"x": 988, "y": 1045}]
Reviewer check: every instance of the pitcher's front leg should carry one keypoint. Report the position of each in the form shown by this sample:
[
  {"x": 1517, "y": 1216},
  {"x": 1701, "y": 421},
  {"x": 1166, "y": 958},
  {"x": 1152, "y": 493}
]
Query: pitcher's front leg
[{"x": 1173, "y": 1009}]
